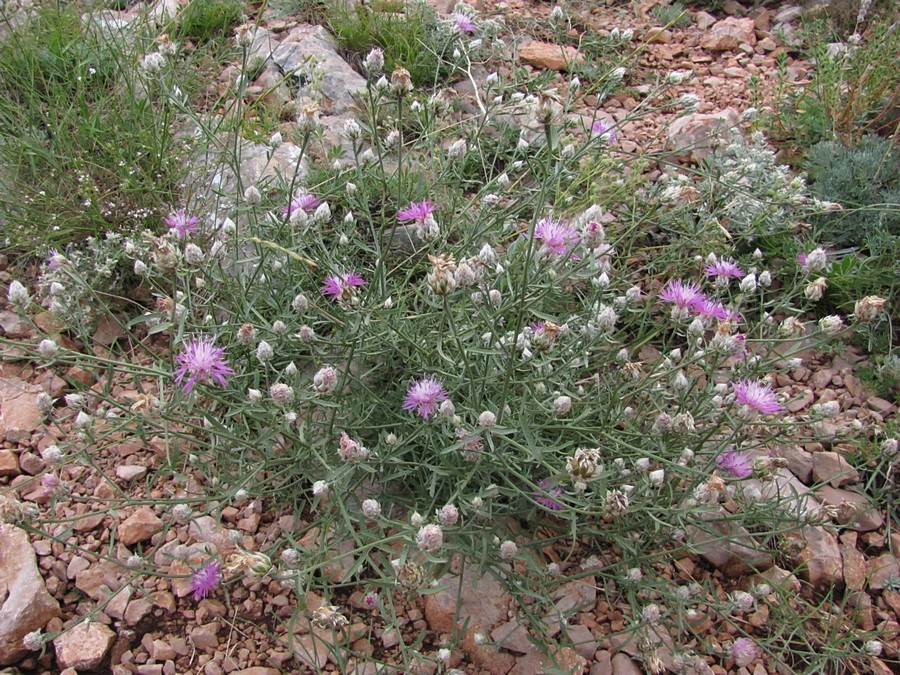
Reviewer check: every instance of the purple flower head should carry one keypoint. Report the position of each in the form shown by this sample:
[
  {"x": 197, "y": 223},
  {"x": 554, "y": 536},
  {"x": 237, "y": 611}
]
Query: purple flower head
[
  {"x": 55, "y": 260},
  {"x": 307, "y": 202},
  {"x": 463, "y": 22},
  {"x": 417, "y": 211},
  {"x": 814, "y": 261},
  {"x": 201, "y": 361},
  {"x": 714, "y": 310},
  {"x": 545, "y": 494},
  {"x": 724, "y": 270},
  {"x": 424, "y": 395},
  {"x": 557, "y": 237},
  {"x": 744, "y": 652},
  {"x": 757, "y": 396},
  {"x": 340, "y": 287},
  {"x": 604, "y": 130},
  {"x": 205, "y": 580},
  {"x": 682, "y": 295},
  {"x": 182, "y": 223},
  {"x": 735, "y": 463}
]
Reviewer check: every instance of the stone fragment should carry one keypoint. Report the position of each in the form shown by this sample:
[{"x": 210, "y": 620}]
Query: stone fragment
[
  {"x": 311, "y": 47},
  {"x": 658, "y": 34},
  {"x": 31, "y": 464},
  {"x": 99, "y": 579},
  {"x": 853, "y": 567},
  {"x": 25, "y": 604},
  {"x": 833, "y": 468},
  {"x": 882, "y": 570},
  {"x": 704, "y": 20},
  {"x": 479, "y": 600},
  {"x": 14, "y": 327},
  {"x": 137, "y": 611},
  {"x": 129, "y": 472},
  {"x": 548, "y": 56},
  {"x": 19, "y": 412},
  {"x": 692, "y": 136},
  {"x": 119, "y": 603},
  {"x": 84, "y": 646},
  {"x": 727, "y": 545},
  {"x": 204, "y": 637},
  {"x": 820, "y": 556},
  {"x": 583, "y": 641},
  {"x": 777, "y": 577},
  {"x": 161, "y": 650},
  {"x": 799, "y": 461},
  {"x": 558, "y": 660},
  {"x": 854, "y": 509},
  {"x": 728, "y": 34},
  {"x": 139, "y": 526},
  {"x": 9, "y": 464},
  {"x": 623, "y": 665}
]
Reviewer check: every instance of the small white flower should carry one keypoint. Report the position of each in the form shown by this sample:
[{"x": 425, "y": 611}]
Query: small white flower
[
  {"x": 322, "y": 213},
  {"x": 320, "y": 489},
  {"x": 487, "y": 419},
  {"x": 255, "y": 395},
  {"x": 48, "y": 349},
  {"x": 508, "y": 550},
  {"x": 264, "y": 352},
  {"x": 252, "y": 195},
  {"x": 193, "y": 254},
  {"x": 657, "y": 477},
  {"x": 371, "y": 508},
  {"x": 17, "y": 294},
  {"x": 448, "y": 515}
]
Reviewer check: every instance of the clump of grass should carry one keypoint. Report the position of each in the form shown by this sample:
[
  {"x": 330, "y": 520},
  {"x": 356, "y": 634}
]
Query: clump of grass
[
  {"x": 203, "y": 20},
  {"x": 672, "y": 16},
  {"x": 85, "y": 149},
  {"x": 408, "y": 33},
  {"x": 865, "y": 180}
]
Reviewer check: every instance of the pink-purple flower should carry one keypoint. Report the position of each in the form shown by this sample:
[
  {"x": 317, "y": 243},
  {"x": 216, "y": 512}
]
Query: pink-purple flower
[
  {"x": 55, "y": 260},
  {"x": 205, "y": 580},
  {"x": 424, "y": 395},
  {"x": 545, "y": 494},
  {"x": 201, "y": 361},
  {"x": 182, "y": 223},
  {"x": 556, "y": 237},
  {"x": 724, "y": 269},
  {"x": 682, "y": 295},
  {"x": 417, "y": 211},
  {"x": 604, "y": 130},
  {"x": 342, "y": 287},
  {"x": 744, "y": 652},
  {"x": 714, "y": 310},
  {"x": 734, "y": 462},
  {"x": 307, "y": 202},
  {"x": 757, "y": 396},
  {"x": 463, "y": 22}
]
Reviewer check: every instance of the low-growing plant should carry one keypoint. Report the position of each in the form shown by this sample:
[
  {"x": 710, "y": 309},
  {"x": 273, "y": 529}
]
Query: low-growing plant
[
  {"x": 438, "y": 353},
  {"x": 672, "y": 16},
  {"x": 84, "y": 150},
  {"x": 203, "y": 20},
  {"x": 865, "y": 180},
  {"x": 410, "y": 34},
  {"x": 853, "y": 88}
]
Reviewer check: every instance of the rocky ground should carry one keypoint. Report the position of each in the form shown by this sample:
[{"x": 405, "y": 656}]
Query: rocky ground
[{"x": 151, "y": 624}]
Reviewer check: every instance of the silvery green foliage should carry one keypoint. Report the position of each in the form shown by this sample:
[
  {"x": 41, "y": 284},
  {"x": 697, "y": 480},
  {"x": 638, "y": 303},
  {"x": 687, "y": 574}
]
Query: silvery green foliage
[
  {"x": 68, "y": 286},
  {"x": 753, "y": 195},
  {"x": 867, "y": 175}
]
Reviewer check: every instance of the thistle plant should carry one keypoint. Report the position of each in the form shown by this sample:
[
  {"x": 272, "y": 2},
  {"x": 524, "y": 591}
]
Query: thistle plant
[{"x": 420, "y": 363}]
